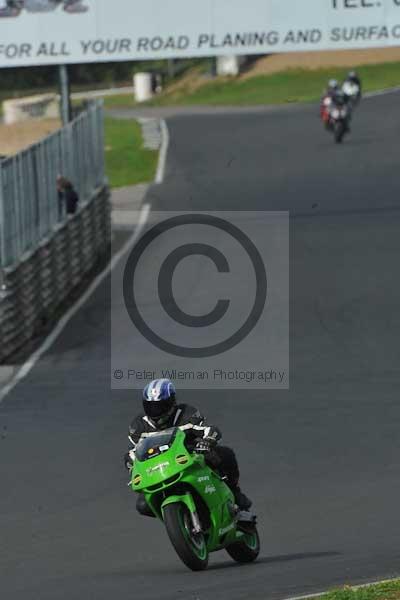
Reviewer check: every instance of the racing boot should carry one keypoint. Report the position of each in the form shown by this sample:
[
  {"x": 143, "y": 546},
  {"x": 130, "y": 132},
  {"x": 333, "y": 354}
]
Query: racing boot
[
  {"x": 143, "y": 508},
  {"x": 242, "y": 501}
]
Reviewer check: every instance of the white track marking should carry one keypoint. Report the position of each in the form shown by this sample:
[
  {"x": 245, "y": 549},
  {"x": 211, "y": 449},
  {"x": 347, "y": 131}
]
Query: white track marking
[
  {"x": 103, "y": 93},
  {"x": 51, "y": 338},
  {"x": 382, "y": 92},
  {"x": 162, "y": 159},
  {"x": 353, "y": 587}
]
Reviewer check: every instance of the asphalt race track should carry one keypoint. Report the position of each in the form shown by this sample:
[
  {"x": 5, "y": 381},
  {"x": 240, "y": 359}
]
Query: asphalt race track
[{"x": 321, "y": 461}]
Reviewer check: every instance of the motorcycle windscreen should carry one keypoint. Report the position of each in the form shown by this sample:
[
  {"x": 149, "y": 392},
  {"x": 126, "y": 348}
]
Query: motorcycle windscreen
[{"x": 155, "y": 444}]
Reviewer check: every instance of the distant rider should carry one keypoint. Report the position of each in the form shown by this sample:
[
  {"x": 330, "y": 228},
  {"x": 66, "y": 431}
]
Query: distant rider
[
  {"x": 328, "y": 98},
  {"x": 332, "y": 97},
  {"x": 162, "y": 412},
  {"x": 352, "y": 87}
]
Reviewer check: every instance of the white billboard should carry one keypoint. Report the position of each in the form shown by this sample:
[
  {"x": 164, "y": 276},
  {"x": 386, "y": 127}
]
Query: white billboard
[{"x": 40, "y": 32}]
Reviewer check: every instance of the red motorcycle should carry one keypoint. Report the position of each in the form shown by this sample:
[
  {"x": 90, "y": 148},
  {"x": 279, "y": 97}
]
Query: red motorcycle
[
  {"x": 336, "y": 114},
  {"x": 325, "y": 108}
]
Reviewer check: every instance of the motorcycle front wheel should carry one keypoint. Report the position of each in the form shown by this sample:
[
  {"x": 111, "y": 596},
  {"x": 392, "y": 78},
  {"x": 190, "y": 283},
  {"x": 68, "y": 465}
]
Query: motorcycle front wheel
[
  {"x": 191, "y": 547},
  {"x": 340, "y": 129}
]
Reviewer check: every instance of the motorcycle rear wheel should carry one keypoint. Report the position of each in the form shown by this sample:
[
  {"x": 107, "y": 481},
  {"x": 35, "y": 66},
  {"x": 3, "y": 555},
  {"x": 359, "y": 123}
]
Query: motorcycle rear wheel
[
  {"x": 340, "y": 130},
  {"x": 247, "y": 550},
  {"x": 191, "y": 548}
]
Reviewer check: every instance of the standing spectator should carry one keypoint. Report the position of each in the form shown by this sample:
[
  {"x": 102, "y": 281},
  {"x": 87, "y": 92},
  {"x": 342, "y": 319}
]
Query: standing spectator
[{"x": 67, "y": 196}]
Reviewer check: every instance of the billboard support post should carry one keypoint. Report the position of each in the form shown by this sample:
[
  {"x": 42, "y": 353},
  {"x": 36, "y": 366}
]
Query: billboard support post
[
  {"x": 65, "y": 98},
  {"x": 171, "y": 68}
]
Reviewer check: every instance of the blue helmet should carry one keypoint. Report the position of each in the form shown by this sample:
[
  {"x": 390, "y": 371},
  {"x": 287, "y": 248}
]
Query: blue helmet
[{"x": 159, "y": 400}]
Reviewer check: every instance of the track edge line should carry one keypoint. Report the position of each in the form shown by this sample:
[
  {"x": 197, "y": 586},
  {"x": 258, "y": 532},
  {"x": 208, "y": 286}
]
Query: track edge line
[
  {"x": 49, "y": 340},
  {"x": 353, "y": 587},
  {"x": 162, "y": 159}
]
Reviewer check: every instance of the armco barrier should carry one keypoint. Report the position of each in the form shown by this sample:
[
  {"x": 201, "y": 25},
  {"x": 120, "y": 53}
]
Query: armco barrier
[{"x": 35, "y": 289}]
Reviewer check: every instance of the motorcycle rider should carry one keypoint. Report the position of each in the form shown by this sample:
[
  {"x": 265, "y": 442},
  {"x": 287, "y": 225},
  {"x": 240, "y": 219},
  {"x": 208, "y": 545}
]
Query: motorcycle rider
[
  {"x": 353, "y": 77},
  {"x": 161, "y": 411},
  {"x": 332, "y": 89},
  {"x": 352, "y": 82},
  {"x": 328, "y": 98},
  {"x": 334, "y": 98}
]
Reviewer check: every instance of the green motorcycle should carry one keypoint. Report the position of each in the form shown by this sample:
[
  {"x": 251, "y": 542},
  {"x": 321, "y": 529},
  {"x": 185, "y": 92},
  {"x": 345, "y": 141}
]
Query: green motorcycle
[{"x": 192, "y": 500}]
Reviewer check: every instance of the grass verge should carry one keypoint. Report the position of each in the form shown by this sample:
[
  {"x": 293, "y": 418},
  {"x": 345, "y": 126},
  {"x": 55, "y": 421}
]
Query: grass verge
[
  {"x": 127, "y": 162},
  {"x": 381, "y": 591},
  {"x": 294, "y": 85}
]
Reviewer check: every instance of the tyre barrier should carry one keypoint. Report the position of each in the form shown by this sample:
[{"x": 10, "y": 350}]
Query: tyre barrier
[{"x": 34, "y": 290}]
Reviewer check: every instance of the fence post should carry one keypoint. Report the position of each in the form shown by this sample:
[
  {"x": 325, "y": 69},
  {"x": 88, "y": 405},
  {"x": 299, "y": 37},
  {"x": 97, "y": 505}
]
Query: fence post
[
  {"x": 2, "y": 230},
  {"x": 100, "y": 146}
]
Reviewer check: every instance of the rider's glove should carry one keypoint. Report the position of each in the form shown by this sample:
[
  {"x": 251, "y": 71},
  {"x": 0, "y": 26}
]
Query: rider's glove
[
  {"x": 129, "y": 459},
  {"x": 203, "y": 446}
]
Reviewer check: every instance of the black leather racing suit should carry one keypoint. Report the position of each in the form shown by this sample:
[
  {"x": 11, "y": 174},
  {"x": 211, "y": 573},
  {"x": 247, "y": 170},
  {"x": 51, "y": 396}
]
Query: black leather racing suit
[{"x": 184, "y": 414}]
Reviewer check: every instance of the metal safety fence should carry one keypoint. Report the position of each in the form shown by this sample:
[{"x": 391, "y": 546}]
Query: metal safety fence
[
  {"x": 29, "y": 203},
  {"x": 35, "y": 290}
]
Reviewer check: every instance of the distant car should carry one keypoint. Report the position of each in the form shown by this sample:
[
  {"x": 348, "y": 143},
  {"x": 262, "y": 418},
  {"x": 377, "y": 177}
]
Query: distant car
[{"x": 13, "y": 8}]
